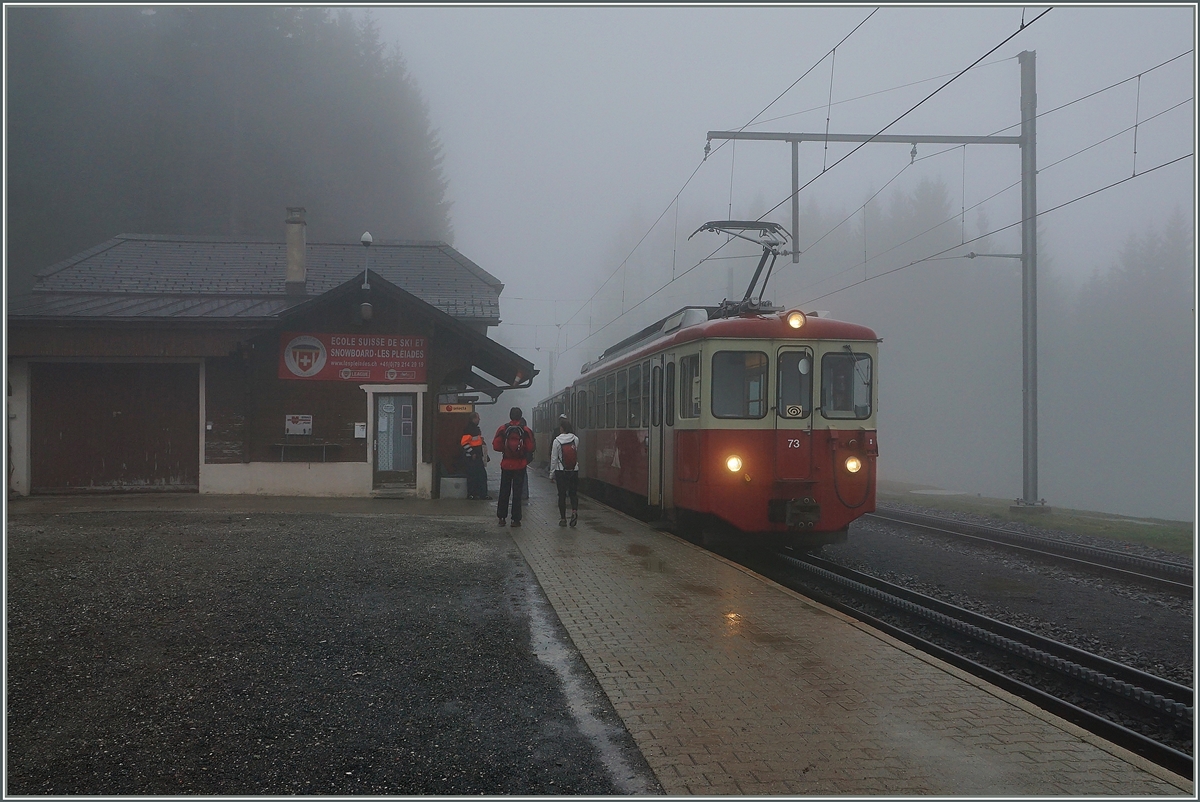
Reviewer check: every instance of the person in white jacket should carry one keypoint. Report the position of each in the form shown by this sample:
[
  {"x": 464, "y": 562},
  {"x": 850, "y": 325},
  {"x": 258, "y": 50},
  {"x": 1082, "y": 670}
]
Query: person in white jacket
[{"x": 564, "y": 470}]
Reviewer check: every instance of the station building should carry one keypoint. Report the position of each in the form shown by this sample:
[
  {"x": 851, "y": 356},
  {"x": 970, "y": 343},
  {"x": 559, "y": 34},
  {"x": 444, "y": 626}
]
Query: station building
[{"x": 239, "y": 365}]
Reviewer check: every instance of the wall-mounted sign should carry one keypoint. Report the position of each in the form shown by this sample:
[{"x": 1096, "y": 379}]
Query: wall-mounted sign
[
  {"x": 297, "y": 424},
  {"x": 360, "y": 430},
  {"x": 379, "y": 358},
  {"x": 456, "y": 407}
]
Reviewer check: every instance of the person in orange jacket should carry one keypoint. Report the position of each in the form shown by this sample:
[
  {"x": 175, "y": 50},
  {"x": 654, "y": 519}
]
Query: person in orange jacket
[
  {"x": 475, "y": 457},
  {"x": 515, "y": 442}
]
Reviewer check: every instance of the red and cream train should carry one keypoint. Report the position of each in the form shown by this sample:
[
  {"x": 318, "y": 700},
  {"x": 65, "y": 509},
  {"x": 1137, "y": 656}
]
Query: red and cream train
[{"x": 747, "y": 421}]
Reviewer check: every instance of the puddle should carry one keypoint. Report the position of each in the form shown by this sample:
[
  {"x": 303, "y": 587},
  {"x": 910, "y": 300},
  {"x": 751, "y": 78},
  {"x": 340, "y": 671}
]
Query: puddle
[
  {"x": 638, "y": 550},
  {"x": 581, "y": 698}
]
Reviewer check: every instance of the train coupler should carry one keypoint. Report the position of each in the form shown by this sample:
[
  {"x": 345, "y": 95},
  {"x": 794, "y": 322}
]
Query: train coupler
[{"x": 796, "y": 513}]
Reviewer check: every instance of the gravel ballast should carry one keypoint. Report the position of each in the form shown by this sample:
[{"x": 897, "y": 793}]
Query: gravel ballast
[{"x": 191, "y": 652}]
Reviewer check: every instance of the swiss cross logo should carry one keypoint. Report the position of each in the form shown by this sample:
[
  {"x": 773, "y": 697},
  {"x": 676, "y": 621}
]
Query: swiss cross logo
[{"x": 304, "y": 356}]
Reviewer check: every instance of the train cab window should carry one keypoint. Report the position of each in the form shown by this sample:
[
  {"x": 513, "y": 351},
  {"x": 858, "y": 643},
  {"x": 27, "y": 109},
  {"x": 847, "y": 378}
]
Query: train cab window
[
  {"x": 846, "y": 385},
  {"x": 739, "y": 384},
  {"x": 656, "y": 396},
  {"x": 610, "y": 401},
  {"x": 795, "y": 384},
  {"x": 669, "y": 395},
  {"x": 634, "y": 420},
  {"x": 622, "y": 399},
  {"x": 689, "y": 386}
]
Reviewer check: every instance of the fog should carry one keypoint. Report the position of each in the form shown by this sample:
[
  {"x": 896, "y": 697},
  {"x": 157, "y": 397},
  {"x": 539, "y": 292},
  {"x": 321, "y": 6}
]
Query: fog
[
  {"x": 574, "y": 154},
  {"x": 563, "y": 149}
]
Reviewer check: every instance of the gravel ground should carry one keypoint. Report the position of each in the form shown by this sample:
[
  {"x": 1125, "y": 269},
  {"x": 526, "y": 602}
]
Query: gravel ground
[
  {"x": 173, "y": 653},
  {"x": 1150, "y": 630}
]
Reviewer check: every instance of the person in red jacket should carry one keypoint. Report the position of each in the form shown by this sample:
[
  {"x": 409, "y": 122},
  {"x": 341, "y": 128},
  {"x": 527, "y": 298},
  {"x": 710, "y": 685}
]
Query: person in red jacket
[{"x": 515, "y": 442}]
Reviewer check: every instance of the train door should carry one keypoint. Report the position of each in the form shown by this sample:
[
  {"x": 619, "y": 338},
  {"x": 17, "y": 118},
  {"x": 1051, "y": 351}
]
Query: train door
[
  {"x": 654, "y": 422},
  {"x": 794, "y": 369}
]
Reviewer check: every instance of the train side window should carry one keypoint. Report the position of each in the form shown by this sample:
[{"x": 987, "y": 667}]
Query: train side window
[
  {"x": 646, "y": 393},
  {"x": 610, "y": 401},
  {"x": 795, "y": 384},
  {"x": 669, "y": 395},
  {"x": 593, "y": 412},
  {"x": 846, "y": 385},
  {"x": 622, "y": 399},
  {"x": 580, "y": 407},
  {"x": 634, "y": 420},
  {"x": 739, "y": 384},
  {"x": 656, "y": 396},
  {"x": 689, "y": 386}
]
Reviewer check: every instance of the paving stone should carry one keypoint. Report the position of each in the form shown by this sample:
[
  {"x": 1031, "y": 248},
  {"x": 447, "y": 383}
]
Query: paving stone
[{"x": 731, "y": 684}]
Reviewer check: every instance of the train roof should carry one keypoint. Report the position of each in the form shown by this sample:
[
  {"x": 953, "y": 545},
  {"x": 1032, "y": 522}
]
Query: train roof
[{"x": 706, "y": 322}]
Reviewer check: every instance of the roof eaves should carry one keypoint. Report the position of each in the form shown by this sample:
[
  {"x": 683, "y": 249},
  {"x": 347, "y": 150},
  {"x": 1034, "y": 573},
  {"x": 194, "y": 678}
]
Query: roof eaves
[{"x": 487, "y": 277}]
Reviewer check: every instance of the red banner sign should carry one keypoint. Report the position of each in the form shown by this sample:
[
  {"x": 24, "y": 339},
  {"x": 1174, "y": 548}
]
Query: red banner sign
[{"x": 371, "y": 358}]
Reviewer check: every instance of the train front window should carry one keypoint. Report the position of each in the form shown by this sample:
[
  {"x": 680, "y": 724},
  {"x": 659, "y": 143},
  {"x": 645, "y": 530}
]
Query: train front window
[
  {"x": 739, "y": 384},
  {"x": 846, "y": 385},
  {"x": 795, "y": 384}
]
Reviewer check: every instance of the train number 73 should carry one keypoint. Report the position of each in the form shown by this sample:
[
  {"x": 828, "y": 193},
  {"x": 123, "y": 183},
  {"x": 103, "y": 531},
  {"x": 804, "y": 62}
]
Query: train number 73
[{"x": 793, "y": 443}]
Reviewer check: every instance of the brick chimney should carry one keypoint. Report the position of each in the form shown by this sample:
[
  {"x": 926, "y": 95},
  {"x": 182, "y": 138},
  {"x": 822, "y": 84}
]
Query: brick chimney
[{"x": 297, "y": 273}]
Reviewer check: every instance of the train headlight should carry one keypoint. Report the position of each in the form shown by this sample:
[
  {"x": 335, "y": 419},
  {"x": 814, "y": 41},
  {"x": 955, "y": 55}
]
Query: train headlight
[
  {"x": 853, "y": 464},
  {"x": 734, "y": 464},
  {"x": 796, "y": 319}
]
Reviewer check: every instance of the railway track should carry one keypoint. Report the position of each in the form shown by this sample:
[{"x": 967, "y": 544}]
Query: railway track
[
  {"x": 1172, "y": 577},
  {"x": 1146, "y": 714}
]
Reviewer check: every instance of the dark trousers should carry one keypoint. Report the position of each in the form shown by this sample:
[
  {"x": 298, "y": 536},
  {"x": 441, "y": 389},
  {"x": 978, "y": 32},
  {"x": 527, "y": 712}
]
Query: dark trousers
[
  {"x": 476, "y": 478},
  {"x": 510, "y": 482},
  {"x": 568, "y": 484}
]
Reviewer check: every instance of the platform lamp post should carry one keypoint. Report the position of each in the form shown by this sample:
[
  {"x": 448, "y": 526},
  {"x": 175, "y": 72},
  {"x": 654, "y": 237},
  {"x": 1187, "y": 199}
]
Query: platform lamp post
[{"x": 365, "y": 310}]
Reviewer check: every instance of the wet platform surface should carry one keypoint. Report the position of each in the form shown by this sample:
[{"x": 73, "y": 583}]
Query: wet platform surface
[{"x": 731, "y": 684}]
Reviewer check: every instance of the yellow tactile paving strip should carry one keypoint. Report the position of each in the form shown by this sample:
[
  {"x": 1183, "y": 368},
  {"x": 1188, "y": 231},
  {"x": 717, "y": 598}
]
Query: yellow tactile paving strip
[{"x": 733, "y": 685}]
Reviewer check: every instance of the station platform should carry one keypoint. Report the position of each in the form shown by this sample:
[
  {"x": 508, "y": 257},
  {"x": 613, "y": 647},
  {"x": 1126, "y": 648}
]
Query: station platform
[{"x": 733, "y": 685}]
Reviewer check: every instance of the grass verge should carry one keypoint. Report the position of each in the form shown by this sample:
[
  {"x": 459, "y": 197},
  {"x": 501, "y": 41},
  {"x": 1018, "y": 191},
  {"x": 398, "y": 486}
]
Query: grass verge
[{"x": 1177, "y": 537}]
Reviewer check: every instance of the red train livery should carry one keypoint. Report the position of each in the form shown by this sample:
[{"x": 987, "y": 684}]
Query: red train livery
[{"x": 757, "y": 425}]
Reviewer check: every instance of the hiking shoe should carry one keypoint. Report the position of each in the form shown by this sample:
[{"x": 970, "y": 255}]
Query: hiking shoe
[
  {"x": 562, "y": 522},
  {"x": 574, "y": 519},
  {"x": 503, "y": 522},
  {"x": 515, "y": 524}
]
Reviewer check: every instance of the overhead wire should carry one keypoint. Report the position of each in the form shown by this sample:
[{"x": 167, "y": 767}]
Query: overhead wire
[
  {"x": 1001, "y": 130},
  {"x": 1041, "y": 114},
  {"x": 675, "y": 200},
  {"x": 873, "y": 94},
  {"x": 980, "y": 203},
  {"x": 1002, "y": 228},
  {"x": 958, "y": 75},
  {"x": 910, "y": 111}
]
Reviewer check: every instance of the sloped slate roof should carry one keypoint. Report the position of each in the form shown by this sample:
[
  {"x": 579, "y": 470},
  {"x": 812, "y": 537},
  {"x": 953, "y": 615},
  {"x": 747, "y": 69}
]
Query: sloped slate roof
[{"x": 154, "y": 276}]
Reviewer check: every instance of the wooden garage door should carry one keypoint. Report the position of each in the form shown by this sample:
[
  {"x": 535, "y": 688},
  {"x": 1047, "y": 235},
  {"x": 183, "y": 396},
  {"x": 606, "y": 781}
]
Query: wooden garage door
[{"x": 114, "y": 427}]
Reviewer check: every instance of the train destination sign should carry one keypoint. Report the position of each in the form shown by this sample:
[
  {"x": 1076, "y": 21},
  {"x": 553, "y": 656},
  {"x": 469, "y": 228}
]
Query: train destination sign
[{"x": 321, "y": 356}]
